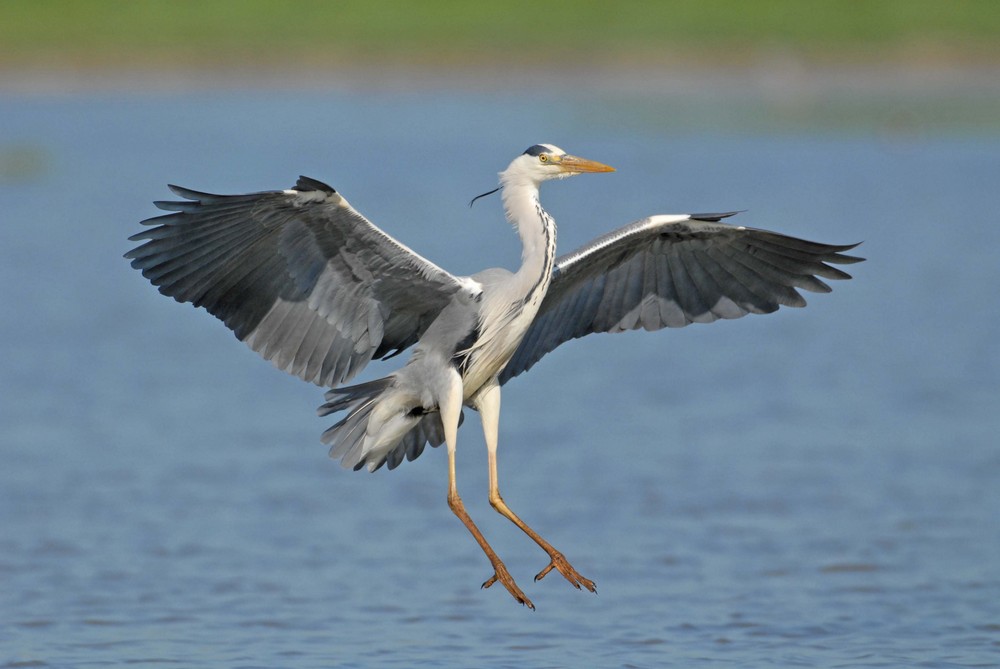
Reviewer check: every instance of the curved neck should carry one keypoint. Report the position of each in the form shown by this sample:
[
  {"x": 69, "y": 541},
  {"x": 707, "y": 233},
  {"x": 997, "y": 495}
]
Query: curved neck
[{"x": 534, "y": 226}]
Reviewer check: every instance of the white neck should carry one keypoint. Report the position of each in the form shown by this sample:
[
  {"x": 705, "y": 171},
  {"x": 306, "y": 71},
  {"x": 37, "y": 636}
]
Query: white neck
[{"x": 534, "y": 226}]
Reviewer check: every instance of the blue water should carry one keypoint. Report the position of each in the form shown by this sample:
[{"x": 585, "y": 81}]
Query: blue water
[{"x": 817, "y": 487}]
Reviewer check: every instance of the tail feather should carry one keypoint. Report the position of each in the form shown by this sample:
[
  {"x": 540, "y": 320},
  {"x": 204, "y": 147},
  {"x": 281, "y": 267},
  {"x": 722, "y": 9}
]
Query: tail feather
[
  {"x": 339, "y": 399},
  {"x": 430, "y": 430},
  {"x": 358, "y": 442}
]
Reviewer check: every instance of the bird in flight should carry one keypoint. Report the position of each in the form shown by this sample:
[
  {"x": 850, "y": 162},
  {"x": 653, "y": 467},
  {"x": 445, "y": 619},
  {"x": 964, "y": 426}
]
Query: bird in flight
[{"x": 310, "y": 284}]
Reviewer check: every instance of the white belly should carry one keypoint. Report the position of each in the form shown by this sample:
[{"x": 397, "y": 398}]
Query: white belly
[{"x": 495, "y": 348}]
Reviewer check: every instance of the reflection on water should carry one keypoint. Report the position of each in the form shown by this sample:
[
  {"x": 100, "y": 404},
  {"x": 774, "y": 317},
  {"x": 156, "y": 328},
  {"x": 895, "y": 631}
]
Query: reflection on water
[{"x": 813, "y": 487}]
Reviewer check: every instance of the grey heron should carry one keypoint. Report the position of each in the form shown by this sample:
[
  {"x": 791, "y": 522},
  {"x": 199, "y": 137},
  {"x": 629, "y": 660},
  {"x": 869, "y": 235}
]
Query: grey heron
[{"x": 311, "y": 285}]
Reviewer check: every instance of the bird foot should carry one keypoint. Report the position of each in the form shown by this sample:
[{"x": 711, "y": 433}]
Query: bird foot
[
  {"x": 501, "y": 574},
  {"x": 566, "y": 569}
]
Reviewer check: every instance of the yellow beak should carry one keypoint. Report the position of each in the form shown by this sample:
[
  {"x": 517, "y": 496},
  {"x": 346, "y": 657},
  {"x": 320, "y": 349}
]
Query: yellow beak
[{"x": 577, "y": 165}]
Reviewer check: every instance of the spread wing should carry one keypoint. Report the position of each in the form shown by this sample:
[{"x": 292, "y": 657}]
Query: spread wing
[
  {"x": 670, "y": 271},
  {"x": 299, "y": 275}
]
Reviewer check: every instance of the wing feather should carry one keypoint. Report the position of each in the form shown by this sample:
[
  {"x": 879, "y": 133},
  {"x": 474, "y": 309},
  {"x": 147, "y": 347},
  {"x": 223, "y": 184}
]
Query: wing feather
[
  {"x": 688, "y": 277},
  {"x": 298, "y": 275},
  {"x": 670, "y": 271}
]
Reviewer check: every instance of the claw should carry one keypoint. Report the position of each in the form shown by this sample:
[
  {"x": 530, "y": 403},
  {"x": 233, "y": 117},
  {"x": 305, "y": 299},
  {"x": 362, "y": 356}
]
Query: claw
[
  {"x": 566, "y": 569},
  {"x": 501, "y": 574},
  {"x": 540, "y": 575}
]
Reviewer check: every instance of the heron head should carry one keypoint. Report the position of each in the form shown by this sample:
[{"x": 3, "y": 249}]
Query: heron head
[{"x": 542, "y": 162}]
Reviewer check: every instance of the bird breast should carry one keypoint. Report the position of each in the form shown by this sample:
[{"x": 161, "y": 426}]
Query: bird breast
[{"x": 503, "y": 324}]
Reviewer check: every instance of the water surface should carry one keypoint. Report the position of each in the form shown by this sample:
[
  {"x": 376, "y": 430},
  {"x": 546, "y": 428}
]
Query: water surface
[{"x": 817, "y": 487}]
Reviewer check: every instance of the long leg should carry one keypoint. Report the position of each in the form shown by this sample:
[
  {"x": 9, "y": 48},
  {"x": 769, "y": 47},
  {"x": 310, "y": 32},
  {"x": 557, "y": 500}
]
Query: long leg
[
  {"x": 488, "y": 403},
  {"x": 451, "y": 409}
]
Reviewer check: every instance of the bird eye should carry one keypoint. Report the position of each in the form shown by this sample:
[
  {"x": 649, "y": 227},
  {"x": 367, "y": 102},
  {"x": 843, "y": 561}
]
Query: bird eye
[{"x": 543, "y": 157}]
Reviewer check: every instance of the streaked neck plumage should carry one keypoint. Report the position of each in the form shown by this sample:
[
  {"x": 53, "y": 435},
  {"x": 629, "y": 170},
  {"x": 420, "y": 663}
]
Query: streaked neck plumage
[
  {"x": 509, "y": 309},
  {"x": 536, "y": 229}
]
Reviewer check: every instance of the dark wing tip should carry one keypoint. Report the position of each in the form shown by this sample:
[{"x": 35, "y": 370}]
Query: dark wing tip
[
  {"x": 305, "y": 184},
  {"x": 189, "y": 194},
  {"x": 714, "y": 218},
  {"x": 845, "y": 259}
]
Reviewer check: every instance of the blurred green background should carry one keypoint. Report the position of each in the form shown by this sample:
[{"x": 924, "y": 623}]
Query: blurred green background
[{"x": 118, "y": 34}]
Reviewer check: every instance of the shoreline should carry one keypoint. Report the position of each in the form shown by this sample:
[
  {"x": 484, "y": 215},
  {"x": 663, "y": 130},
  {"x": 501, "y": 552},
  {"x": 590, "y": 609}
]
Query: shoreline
[{"x": 775, "y": 73}]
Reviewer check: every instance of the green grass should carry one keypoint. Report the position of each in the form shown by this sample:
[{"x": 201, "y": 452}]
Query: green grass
[{"x": 129, "y": 32}]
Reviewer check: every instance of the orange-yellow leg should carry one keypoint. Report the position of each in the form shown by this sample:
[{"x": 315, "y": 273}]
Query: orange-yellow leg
[
  {"x": 500, "y": 572},
  {"x": 451, "y": 408},
  {"x": 488, "y": 403}
]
